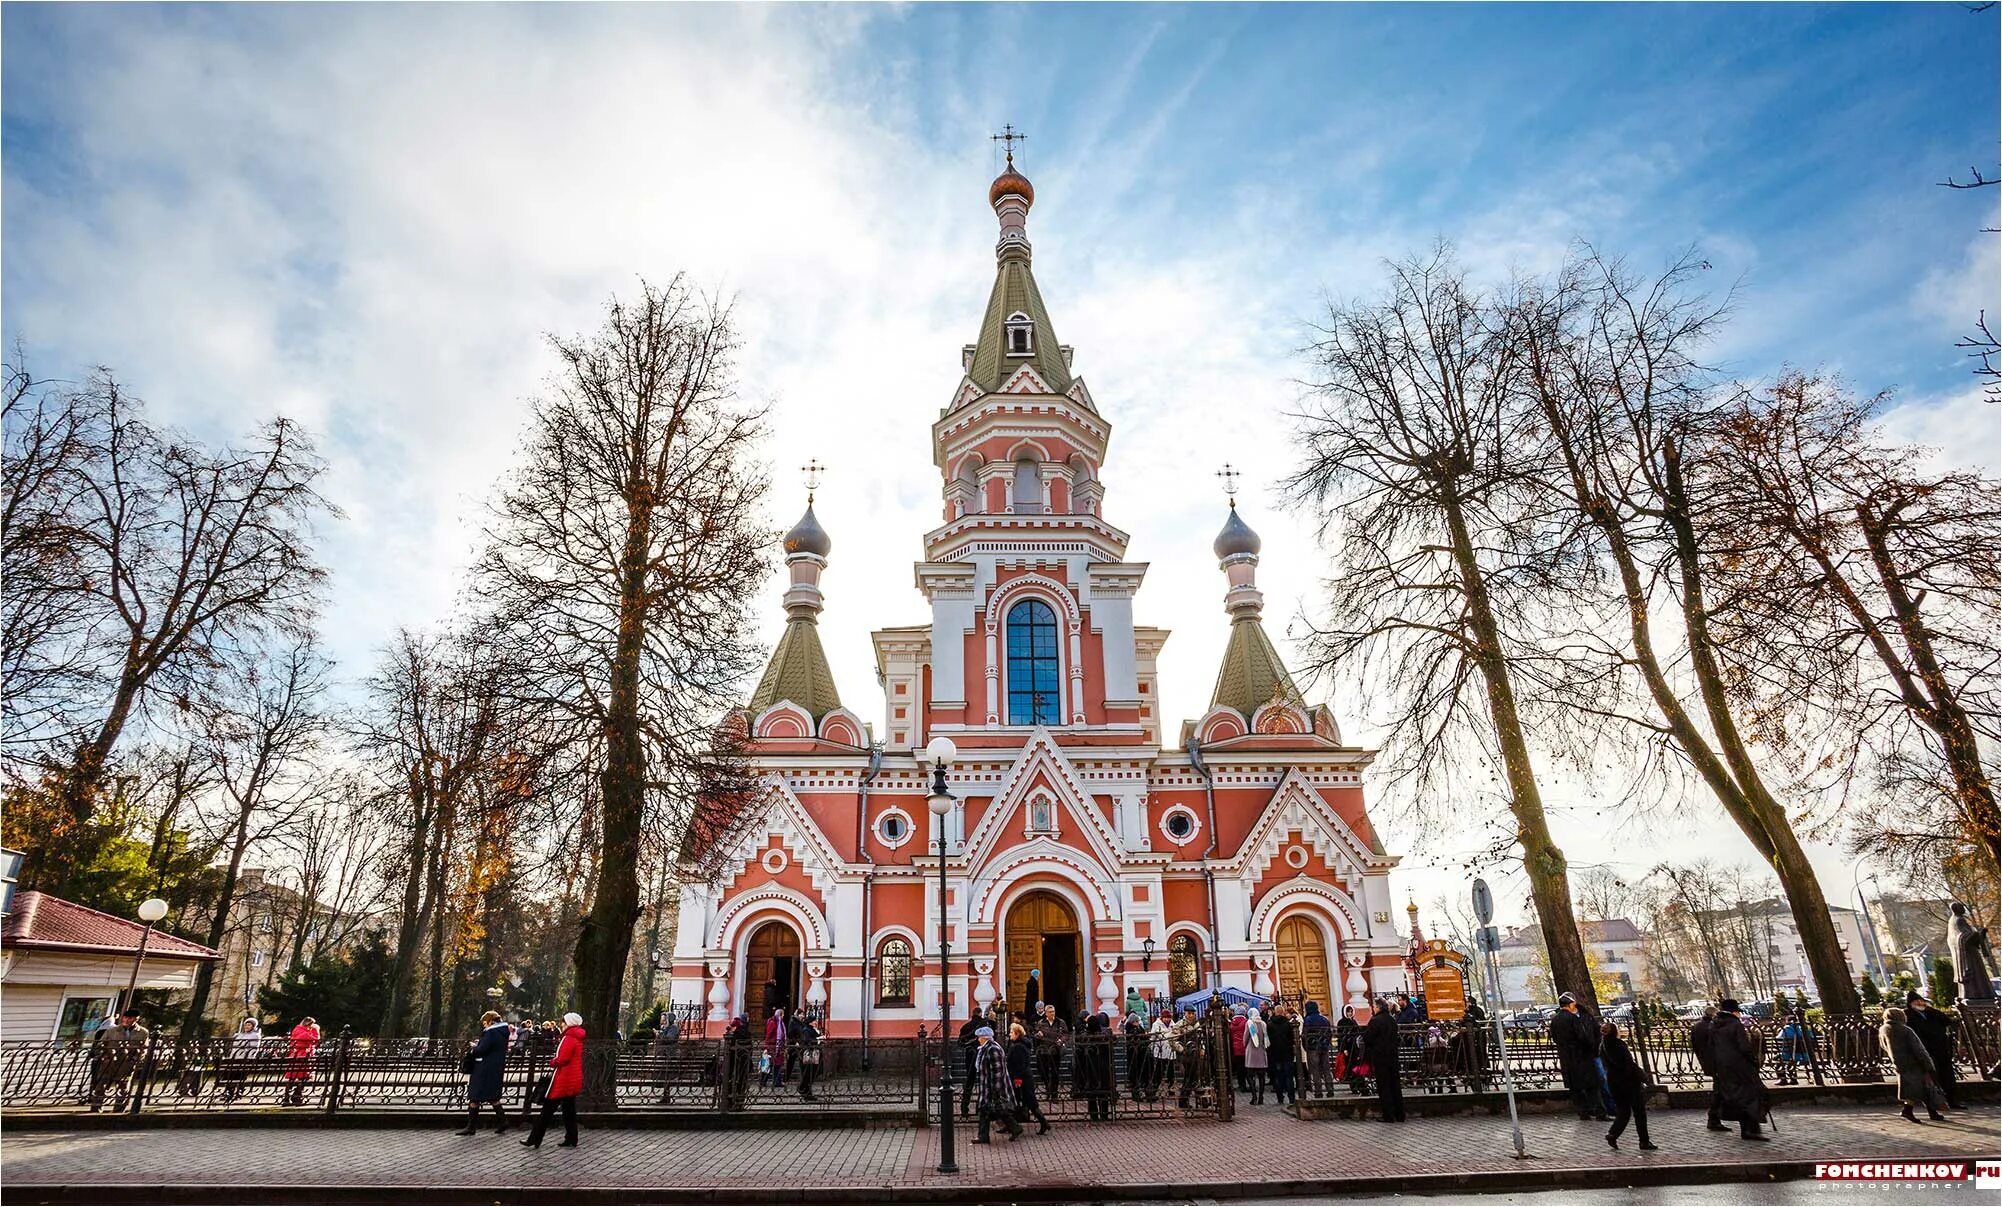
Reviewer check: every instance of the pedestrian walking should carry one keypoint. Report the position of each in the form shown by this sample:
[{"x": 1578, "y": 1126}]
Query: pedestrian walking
[
  {"x": 1022, "y": 1072},
  {"x": 806, "y": 1046},
  {"x": 666, "y": 1039},
  {"x": 304, "y": 1040},
  {"x": 1257, "y": 1054},
  {"x": 244, "y": 1048},
  {"x": 1734, "y": 1052},
  {"x": 1700, "y": 1036},
  {"x": 1628, "y": 1084},
  {"x": 485, "y": 1067},
  {"x": 1935, "y": 1031},
  {"x": 1238, "y": 1021},
  {"x": 1316, "y": 1035},
  {"x": 967, "y": 1047},
  {"x": 994, "y": 1086},
  {"x": 115, "y": 1055},
  {"x": 1907, "y": 1052},
  {"x": 1576, "y": 1039},
  {"x": 566, "y": 1083},
  {"x": 1285, "y": 1051},
  {"x": 1380, "y": 1044}
]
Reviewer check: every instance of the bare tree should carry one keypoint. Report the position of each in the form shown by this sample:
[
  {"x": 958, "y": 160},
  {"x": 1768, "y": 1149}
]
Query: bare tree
[
  {"x": 1419, "y": 455},
  {"x": 1610, "y": 363},
  {"x": 625, "y": 552},
  {"x": 263, "y": 750}
]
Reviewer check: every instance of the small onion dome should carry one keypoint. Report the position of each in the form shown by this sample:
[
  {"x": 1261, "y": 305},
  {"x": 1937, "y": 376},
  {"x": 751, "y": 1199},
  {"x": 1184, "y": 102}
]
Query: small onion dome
[
  {"x": 1236, "y": 538},
  {"x": 808, "y": 536},
  {"x": 1011, "y": 181}
]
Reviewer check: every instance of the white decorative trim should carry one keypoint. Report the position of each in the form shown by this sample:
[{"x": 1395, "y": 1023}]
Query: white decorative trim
[
  {"x": 1025, "y": 380},
  {"x": 1320, "y": 897},
  {"x": 1042, "y": 857},
  {"x": 1222, "y": 714},
  {"x": 773, "y": 860},
  {"x": 841, "y": 716},
  {"x": 910, "y": 827},
  {"x": 1296, "y": 805},
  {"x": 788, "y": 901},
  {"x": 1283, "y": 718},
  {"x": 1195, "y": 825},
  {"x": 783, "y": 710},
  {"x": 1042, "y": 760},
  {"x": 1296, "y": 857}
]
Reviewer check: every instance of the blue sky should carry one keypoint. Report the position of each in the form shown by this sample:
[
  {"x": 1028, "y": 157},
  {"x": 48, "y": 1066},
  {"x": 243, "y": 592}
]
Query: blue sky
[{"x": 365, "y": 217}]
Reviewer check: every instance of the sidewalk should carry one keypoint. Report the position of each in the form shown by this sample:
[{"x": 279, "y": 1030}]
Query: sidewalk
[{"x": 1261, "y": 1153}]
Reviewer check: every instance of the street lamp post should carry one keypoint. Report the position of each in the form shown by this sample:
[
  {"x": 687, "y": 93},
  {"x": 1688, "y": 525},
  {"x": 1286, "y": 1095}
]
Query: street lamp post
[
  {"x": 941, "y": 751},
  {"x": 151, "y": 910}
]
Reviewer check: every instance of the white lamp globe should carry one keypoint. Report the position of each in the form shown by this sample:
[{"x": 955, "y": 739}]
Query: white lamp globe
[
  {"x": 152, "y": 909},
  {"x": 941, "y": 751}
]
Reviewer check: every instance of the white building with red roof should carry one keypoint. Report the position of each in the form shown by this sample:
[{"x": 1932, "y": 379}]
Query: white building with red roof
[{"x": 64, "y": 965}]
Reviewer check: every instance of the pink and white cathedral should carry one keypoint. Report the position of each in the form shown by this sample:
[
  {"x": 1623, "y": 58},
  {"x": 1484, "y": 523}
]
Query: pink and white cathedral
[{"x": 1090, "y": 850}]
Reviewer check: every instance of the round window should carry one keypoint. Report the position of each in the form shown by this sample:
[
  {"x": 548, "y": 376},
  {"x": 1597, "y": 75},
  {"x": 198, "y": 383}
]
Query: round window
[
  {"x": 774, "y": 861},
  {"x": 893, "y": 827},
  {"x": 1296, "y": 856},
  {"x": 1179, "y": 824}
]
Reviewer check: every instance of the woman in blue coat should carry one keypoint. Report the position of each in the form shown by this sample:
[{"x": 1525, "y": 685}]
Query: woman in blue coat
[{"x": 485, "y": 1067}]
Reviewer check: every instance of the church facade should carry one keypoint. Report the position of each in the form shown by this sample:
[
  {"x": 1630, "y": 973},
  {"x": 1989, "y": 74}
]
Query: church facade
[{"x": 1089, "y": 850}]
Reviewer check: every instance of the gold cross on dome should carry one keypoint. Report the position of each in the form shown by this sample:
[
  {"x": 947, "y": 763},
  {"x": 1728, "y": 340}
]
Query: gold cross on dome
[
  {"x": 810, "y": 474},
  {"x": 1229, "y": 476},
  {"x": 1009, "y": 136}
]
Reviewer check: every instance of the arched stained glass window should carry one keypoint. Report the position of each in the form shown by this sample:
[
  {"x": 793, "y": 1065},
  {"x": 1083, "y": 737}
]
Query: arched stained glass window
[
  {"x": 1184, "y": 965},
  {"x": 894, "y": 975},
  {"x": 1032, "y": 665}
]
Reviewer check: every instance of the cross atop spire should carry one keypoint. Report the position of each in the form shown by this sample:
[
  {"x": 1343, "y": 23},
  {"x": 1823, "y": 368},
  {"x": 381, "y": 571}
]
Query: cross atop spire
[
  {"x": 1229, "y": 476},
  {"x": 810, "y": 474},
  {"x": 1009, "y": 136}
]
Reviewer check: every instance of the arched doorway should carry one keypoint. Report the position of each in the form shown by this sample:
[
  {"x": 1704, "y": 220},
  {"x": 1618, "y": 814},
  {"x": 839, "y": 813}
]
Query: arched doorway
[
  {"x": 1185, "y": 966},
  {"x": 1303, "y": 961},
  {"x": 1043, "y": 947},
  {"x": 771, "y": 957}
]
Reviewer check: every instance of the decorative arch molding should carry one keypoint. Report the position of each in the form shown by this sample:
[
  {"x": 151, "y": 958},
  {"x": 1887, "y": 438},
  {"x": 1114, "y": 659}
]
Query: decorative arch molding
[
  {"x": 839, "y": 721},
  {"x": 1295, "y": 805},
  {"x": 783, "y": 719},
  {"x": 733, "y": 925},
  {"x": 1042, "y": 761},
  {"x": 1049, "y": 865},
  {"x": 1033, "y": 450},
  {"x": 1222, "y": 723},
  {"x": 1204, "y": 945},
  {"x": 1041, "y": 586},
  {"x": 1279, "y": 717},
  {"x": 1314, "y": 896},
  {"x": 893, "y": 931},
  {"x": 787, "y": 820}
]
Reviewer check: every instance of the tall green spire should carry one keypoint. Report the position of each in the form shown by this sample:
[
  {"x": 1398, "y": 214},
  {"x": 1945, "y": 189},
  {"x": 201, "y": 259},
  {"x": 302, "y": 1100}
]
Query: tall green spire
[{"x": 1015, "y": 330}]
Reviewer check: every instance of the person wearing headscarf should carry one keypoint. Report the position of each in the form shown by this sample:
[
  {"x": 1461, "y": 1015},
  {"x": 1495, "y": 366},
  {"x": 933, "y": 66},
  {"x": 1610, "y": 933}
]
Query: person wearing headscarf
[
  {"x": 485, "y": 1066},
  {"x": 1160, "y": 1053},
  {"x": 244, "y": 1049},
  {"x": 1935, "y": 1031},
  {"x": 564, "y": 1087},
  {"x": 994, "y": 1087},
  {"x": 305, "y": 1039},
  {"x": 1022, "y": 1072},
  {"x": 1257, "y": 1054},
  {"x": 1907, "y": 1053},
  {"x": 1238, "y": 1020}
]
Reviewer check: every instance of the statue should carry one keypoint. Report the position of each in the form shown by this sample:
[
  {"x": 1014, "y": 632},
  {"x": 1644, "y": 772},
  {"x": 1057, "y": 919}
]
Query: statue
[{"x": 1971, "y": 957}]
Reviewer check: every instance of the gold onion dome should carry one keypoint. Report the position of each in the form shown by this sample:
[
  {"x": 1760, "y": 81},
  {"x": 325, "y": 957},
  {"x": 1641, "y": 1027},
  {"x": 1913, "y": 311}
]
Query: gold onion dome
[{"x": 1011, "y": 181}]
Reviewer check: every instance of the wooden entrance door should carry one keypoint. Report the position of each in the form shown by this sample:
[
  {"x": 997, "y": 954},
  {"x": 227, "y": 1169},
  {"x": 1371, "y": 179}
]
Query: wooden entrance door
[
  {"x": 1030, "y": 921},
  {"x": 772, "y": 956},
  {"x": 1303, "y": 962}
]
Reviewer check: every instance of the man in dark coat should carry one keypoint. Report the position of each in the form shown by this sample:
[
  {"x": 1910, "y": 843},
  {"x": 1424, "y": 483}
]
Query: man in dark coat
[
  {"x": 967, "y": 1047},
  {"x": 1735, "y": 1057},
  {"x": 996, "y": 1088},
  {"x": 1052, "y": 1036},
  {"x": 1380, "y": 1049},
  {"x": 1935, "y": 1031},
  {"x": 1283, "y": 1033},
  {"x": 486, "y": 1066},
  {"x": 1576, "y": 1038},
  {"x": 1699, "y": 1043}
]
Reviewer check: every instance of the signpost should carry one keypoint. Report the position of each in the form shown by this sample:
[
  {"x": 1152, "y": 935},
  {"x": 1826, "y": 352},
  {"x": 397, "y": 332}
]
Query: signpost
[{"x": 1489, "y": 941}]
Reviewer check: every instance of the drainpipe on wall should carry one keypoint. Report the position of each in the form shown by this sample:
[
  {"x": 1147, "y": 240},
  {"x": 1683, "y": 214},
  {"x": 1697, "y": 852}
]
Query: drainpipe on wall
[
  {"x": 1195, "y": 752},
  {"x": 868, "y": 886}
]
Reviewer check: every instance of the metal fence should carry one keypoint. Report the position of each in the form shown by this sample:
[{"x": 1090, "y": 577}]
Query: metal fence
[
  {"x": 1457, "y": 1057},
  {"x": 1114, "y": 1076},
  {"x": 350, "y": 1073}
]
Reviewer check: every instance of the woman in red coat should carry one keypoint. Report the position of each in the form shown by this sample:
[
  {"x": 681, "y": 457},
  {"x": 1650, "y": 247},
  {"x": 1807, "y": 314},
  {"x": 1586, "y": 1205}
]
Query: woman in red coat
[
  {"x": 299, "y": 1065},
  {"x": 564, "y": 1085}
]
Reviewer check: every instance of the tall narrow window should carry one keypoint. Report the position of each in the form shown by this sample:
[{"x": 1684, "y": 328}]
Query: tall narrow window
[
  {"x": 1184, "y": 965},
  {"x": 895, "y": 974},
  {"x": 1028, "y": 486},
  {"x": 1032, "y": 664},
  {"x": 1020, "y": 334}
]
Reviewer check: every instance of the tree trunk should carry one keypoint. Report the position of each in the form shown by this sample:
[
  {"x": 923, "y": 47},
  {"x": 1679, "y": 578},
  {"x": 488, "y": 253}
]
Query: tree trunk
[
  {"x": 436, "y": 895},
  {"x": 191, "y": 1022},
  {"x": 1753, "y": 807},
  {"x": 1549, "y": 880},
  {"x": 605, "y": 943},
  {"x": 409, "y": 927}
]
